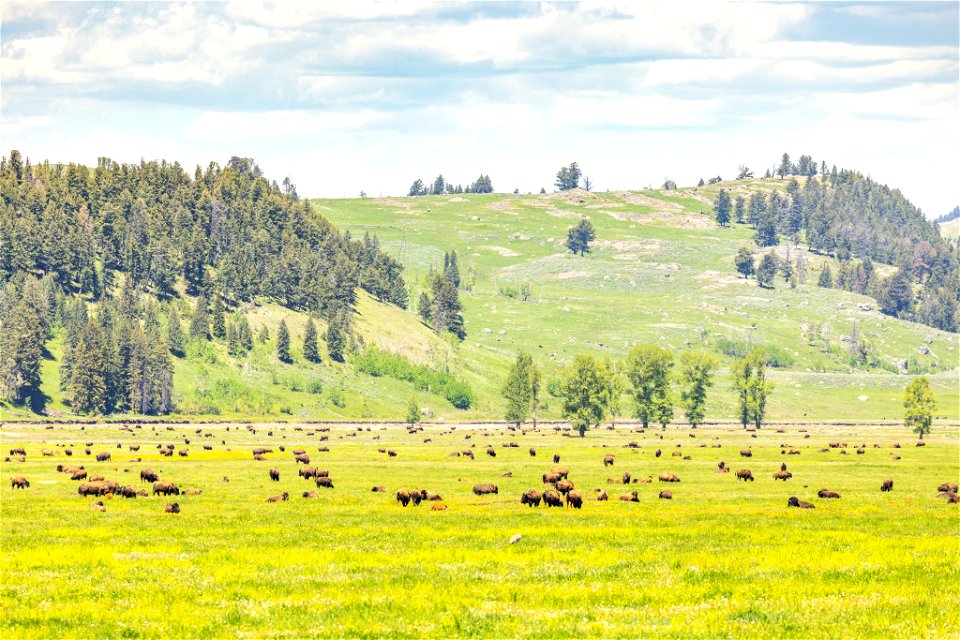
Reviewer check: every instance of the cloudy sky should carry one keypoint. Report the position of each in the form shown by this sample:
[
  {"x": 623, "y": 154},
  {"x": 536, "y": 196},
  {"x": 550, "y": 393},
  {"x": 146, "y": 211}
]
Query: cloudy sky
[{"x": 348, "y": 96}]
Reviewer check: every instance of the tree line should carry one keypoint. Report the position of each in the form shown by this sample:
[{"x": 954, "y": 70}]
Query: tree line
[
  {"x": 440, "y": 186},
  {"x": 591, "y": 388}
]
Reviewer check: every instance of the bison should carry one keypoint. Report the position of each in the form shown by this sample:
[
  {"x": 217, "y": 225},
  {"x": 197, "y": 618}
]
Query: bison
[
  {"x": 666, "y": 495},
  {"x": 668, "y": 477},
  {"x": 533, "y": 452},
  {"x": 309, "y": 494},
  {"x": 564, "y": 486},
  {"x": 602, "y": 496},
  {"x": 484, "y": 489},
  {"x": 826, "y": 493},
  {"x": 552, "y": 498},
  {"x": 79, "y": 474},
  {"x": 626, "y": 477},
  {"x": 439, "y": 506},
  {"x": 782, "y": 475},
  {"x": 491, "y": 452},
  {"x": 746, "y": 453},
  {"x": 658, "y": 453},
  {"x": 307, "y": 472},
  {"x": 275, "y": 474},
  {"x": 531, "y": 498},
  {"x": 192, "y": 491},
  {"x": 630, "y": 497},
  {"x": 283, "y": 497},
  {"x": 551, "y": 478},
  {"x": 745, "y": 474},
  {"x": 166, "y": 488},
  {"x": 172, "y": 508},
  {"x": 556, "y": 458},
  {"x": 19, "y": 482},
  {"x": 608, "y": 460},
  {"x": 128, "y": 492},
  {"x": 379, "y": 489},
  {"x": 795, "y": 502},
  {"x": 403, "y": 497},
  {"x": 886, "y": 485},
  {"x": 147, "y": 475},
  {"x": 323, "y": 482},
  {"x": 948, "y": 487},
  {"x": 574, "y": 499}
]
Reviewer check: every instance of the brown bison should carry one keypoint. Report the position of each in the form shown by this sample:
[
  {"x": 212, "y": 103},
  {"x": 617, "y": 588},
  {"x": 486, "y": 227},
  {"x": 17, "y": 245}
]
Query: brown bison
[
  {"x": 552, "y": 499},
  {"x": 602, "y": 495},
  {"x": 745, "y": 474},
  {"x": 531, "y": 498},
  {"x": 551, "y": 478},
  {"x": 166, "y": 488},
  {"x": 574, "y": 499},
  {"x": 430, "y": 496},
  {"x": 658, "y": 453},
  {"x": 403, "y": 497},
  {"x": 307, "y": 472},
  {"x": 18, "y": 451},
  {"x": 630, "y": 497},
  {"x": 626, "y": 477},
  {"x": 128, "y": 492},
  {"x": 533, "y": 452},
  {"x": 666, "y": 495},
  {"x": 491, "y": 452},
  {"x": 379, "y": 489},
  {"x": 795, "y": 502},
  {"x": 302, "y": 458},
  {"x": 953, "y": 499},
  {"x": 391, "y": 453},
  {"x": 79, "y": 474},
  {"x": 191, "y": 491},
  {"x": 323, "y": 482},
  {"x": 103, "y": 456},
  {"x": 172, "y": 508},
  {"x": 275, "y": 474},
  {"x": 746, "y": 453},
  {"x": 147, "y": 475},
  {"x": 19, "y": 482},
  {"x": 283, "y": 497},
  {"x": 556, "y": 458},
  {"x": 826, "y": 493},
  {"x": 948, "y": 487},
  {"x": 134, "y": 447},
  {"x": 782, "y": 475},
  {"x": 438, "y": 507},
  {"x": 565, "y": 486},
  {"x": 309, "y": 494},
  {"x": 886, "y": 485},
  {"x": 96, "y": 478},
  {"x": 668, "y": 477},
  {"x": 484, "y": 489},
  {"x": 100, "y": 488},
  {"x": 608, "y": 460}
]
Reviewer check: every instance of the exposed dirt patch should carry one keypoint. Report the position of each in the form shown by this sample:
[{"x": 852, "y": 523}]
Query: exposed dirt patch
[
  {"x": 510, "y": 253},
  {"x": 644, "y": 200}
]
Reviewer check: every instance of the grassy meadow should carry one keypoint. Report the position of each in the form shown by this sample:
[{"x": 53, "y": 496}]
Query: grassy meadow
[{"x": 722, "y": 558}]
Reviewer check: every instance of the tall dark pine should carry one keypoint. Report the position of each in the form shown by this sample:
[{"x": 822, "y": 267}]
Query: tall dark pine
[
  {"x": 310, "y": 352},
  {"x": 174, "y": 332},
  {"x": 283, "y": 342},
  {"x": 217, "y": 321},
  {"x": 199, "y": 322},
  {"x": 88, "y": 388},
  {"x": 722, "y": 208},
  {"x": 336, "y": 338},
  {"x": 580, "y": 236}
]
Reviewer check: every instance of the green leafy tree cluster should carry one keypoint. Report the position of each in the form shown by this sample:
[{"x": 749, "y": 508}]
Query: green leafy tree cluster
[
  {"x": 648, "y": 369},
  {"x": 580, "y": 237},
  {"x": 752, "y": 387}
]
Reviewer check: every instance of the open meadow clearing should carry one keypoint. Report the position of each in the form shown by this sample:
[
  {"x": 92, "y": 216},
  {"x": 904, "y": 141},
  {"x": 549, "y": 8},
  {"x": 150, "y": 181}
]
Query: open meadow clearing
[{"x": 724, "y": 557}]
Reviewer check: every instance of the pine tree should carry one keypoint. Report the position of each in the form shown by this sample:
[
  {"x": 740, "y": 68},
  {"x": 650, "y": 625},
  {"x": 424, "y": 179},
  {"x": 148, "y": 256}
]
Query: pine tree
[
  {"x": 451, "y": 271},
  {"x": 826, "y": 277},
  {"x": 283, "y": 342},
  {"x": 199, "y": 324},
  {"x": 767, "y": 271},
  {"x": 580, "y": 237},
  {"x": 336, "y": 338},
  {"x": 310, "y": 352},
  {"x": 218, "y": 322},
  {"x": 174, "y": 332},
  {"x": 424, "y": 308},
  {"x": 722, "y": 208},
  {"x": 517, "y": 390},
  {"x": 740, "y": 210},
  {"x": 264, "y": 336},
  {"x": 21, "y": 344},
  {"x": 244, "y": 334},
  {"x": 88, "y": 387},
  {"x": 744, "y": 262}
]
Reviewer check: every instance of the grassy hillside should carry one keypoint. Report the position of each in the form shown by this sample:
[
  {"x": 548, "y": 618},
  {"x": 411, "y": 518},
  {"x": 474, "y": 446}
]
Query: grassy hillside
[{"x": 661, "y": 271}]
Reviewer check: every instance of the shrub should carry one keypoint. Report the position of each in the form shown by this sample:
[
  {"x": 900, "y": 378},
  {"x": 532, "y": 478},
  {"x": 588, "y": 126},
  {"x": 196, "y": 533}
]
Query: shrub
[{"x": 378, "y": 363}]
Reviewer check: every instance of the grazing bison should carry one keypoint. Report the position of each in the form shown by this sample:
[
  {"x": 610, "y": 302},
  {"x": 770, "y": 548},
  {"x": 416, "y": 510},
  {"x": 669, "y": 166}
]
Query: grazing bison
[
  {"x": 630, "y": 497},
  {"x": 556, "y": 458},
  {"x": 307, "y": 472},
  {"x": 283, "y": 497},
  {"x": 491, "y": 452},
  {"x": 948, "y": 487},
  {"x": 379, "y": 489},
  {"x": 826, "y": 493},
  {"x": 103, "y": 456},
  {"x": 484, "y": 489},
  {"x": 533, "y": 452},
  {"x": 782, "y": 475},
  {"x": 745, "y": 474},
  {"x": 953, "y": 499},
  {"x": 416, "y": 496},
  {"x": 531, "y": 498},
  {"x": 658, "y": 453},
  {"x": 18, "y": 451},
  {"x": 309, "y": 494},
  {"x": 128, "y": 492},
  {"x": 100, "y": 488},
  {"x": 626, "y": 477},
  {"x": 323, "y": 482},
  {"x": 19, "y": 482},
  {"x": 439, "y": 506},
  {"x": 275, "y": 474},
  {"x": 430, "y": 496},
  {"x": 134, "y": 447},
  {"x": 564, "y": 486},
  {"x": 666, "y": 495},
  {"x": 668, "y": 477},
  {"x": 886, "y": 485},
  {"x": 166, "y": 488},
  {"x": 172, "y": 508},
  {"x": 795, "y": 502},
  {"x": 602, "y": 495},
  {"x": 96, "y": 478},
  {"x": 746, "y": 453},
  {"x": 302, "y": 458},
  {"x": 563, "y": 472},
  {"x": 647, "y": 480},
  {"x": 608, "y": 460},
  {"x": 551, "y": 478},
  {"x": 78, "y": 474},
  {"x": 391, "y": 453},
  {"x": 552, "y": 499},
  {"x": 574, "y": 499},
  {"x": 403, "y": 497}
]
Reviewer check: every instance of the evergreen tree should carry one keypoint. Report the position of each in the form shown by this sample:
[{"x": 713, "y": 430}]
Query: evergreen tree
[
  {"x": 217, "y": 320},
  {"x": 919, "y": 405},
  {"x": 767, "y": 271},
  {"x": 174, "y": 332},
  {"x": 424, "y": 307},
  {"x": 21, "y": 344},
  {"x": 233, "y": 339},
  {"x": 766, "y": 233},
  {"x": 722, "y": 208},
  {"x": 744, "y": 262},
  {"x": 199, "y": 324},
  {"x": 451, "y": 271},
  {"x": 518, "y": 389},
  {"x": 244, "y": 334},
  {"x": 826, "y": 277},
  {"x": 740, "y": 210},
  {"x": 897, "y": 296},
  {"x": 585, "y": 392},
  {"x": 310, "y": 351},
  {"x": 264, "y": 336},
  {"x": 283, "y": 342},
  {"x": 696, "y": 371},
  {"x": 580, "y": 237},
  {"x": 648, "y": 369},
  {"x": 336, "y": 337},
  {"x": 786, "y": 167},
  {"x": 447, "y": 311},
  {"x": 88, "y": 387}
]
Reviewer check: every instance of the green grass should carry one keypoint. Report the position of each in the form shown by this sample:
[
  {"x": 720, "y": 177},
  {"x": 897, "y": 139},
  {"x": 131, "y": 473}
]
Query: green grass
[{"x": 723, "y": 558}]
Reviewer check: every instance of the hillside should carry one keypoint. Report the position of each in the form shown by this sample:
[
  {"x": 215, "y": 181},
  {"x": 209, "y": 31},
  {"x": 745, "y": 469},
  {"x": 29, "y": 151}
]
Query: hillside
[{"x": 660, "y": 271}]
